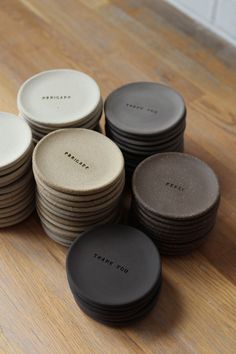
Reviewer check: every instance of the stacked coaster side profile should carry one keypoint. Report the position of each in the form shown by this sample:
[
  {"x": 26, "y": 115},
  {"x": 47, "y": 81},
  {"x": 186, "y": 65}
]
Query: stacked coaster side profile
[
  {"x": 143, "y": 119},
  {"x": 175, "y": 200},
  {"x": 114, "y": 273},
  {"x": 17, "y": 189},
  {"x": 80, "y": 178},
  {"x": 59, "y": 98}
]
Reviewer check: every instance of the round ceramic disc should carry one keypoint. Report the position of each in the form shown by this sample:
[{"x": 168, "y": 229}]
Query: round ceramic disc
[
  {"x": 175, "y": 185},
  {"x": 176, "y": 223},
  {"x": 71, "y": 218},
  {"x": 105, "y": 201},
  {"x": 19, "y": 184},
  {"x": 117, "y": 265},
  {"x": 144, "y": 108},
  {"x": 15, "y": 139},
  {"x": 15, "y": 175},
  {"x": 78, "y": 161},
  {"x": 145, "y": 141},
  {"x": 16, "y": 198},
  {"x": 80, "y": 198},
  {"x": 17, "y": 218},
  {"x": 58, "y": 97}
]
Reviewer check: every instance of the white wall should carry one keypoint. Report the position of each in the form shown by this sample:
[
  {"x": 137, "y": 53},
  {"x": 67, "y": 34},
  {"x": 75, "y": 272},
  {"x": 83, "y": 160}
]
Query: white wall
[{"x": 218, "y": 15}]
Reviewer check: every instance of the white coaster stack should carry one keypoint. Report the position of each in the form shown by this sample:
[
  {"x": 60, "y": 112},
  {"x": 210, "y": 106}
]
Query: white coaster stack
[
  {"x": 16, "y": 178},
  {"x": 58, "y": 99},
  {"x": 80, "y": 179}
]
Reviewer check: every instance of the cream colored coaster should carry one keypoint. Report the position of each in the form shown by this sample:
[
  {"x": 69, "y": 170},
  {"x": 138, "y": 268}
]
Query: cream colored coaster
[
  {"x": 80, "y": 198},
  {"x": 77, "y": 161},
  {"x": 46, "y": 129},
  {"x": 15, "y": 175},
  {"x": 15, "y": 139},
  {"x": 16, "y": 208},
  {"x": 58, "y": 97},
  {"x": 18, "y": 164},
  {"x": 17, "y": 218},
  {"x": 19, "y": 184},
  {"x": 17, "y": 198}
]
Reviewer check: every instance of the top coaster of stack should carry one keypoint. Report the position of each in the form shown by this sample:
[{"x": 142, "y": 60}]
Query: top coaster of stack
[
  {"x": 15, "y": 139},
  {"x": 77, "y": 161},
  {"x": 145, "y": 108},
  {"x": 114, "y": 266},
  {"x": 176, "y": 185},
  {"x": 58, "y": 97}
]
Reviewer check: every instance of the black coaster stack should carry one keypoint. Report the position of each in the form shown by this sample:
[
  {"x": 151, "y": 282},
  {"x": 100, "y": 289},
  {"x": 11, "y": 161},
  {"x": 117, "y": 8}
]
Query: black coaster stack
[
  {"x": 143, "y": 119},
  {"x": 175, "y": 200},
  {"x": 114, "y": 272}
]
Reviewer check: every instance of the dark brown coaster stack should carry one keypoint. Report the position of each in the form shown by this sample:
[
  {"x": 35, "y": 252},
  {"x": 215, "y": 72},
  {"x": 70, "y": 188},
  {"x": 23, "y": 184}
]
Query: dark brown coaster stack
[
  {"x": 175, "y": 200},
  {"x": 114, "y": 273},
  {"x": 143, "y": 119}
]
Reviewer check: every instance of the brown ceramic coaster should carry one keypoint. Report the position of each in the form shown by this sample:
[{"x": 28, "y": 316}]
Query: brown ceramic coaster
[
  {"x": 145, "y": 118},
  {"x": 77, "y": 161},
  {"x": 175, "y": 199},
  {"x": 178, "y": 186}
]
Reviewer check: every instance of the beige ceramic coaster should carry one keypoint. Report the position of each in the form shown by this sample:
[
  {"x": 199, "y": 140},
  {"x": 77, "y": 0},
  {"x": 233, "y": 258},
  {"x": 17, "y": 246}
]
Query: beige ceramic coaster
[
  {"x": 71, "y": 219},
  {"x": 19, "y": 184},
  {"x": 73, "y": 228},
  {"x": 75, "y": 215},
  {"x": 15, "y": 139},
  {"x": 94, "y": 209},
  {"x": 17, "y": 218},
  {"x": 58, "y": 239},
  {"x": 81, "y": 198},
  {"x": 15, "y": 175},
  {"x": 58, "y": 97},
  {"x": 77, "y": 161},
  {"x": 75, "y": 223},
  {"x": 85, "y": 203}
]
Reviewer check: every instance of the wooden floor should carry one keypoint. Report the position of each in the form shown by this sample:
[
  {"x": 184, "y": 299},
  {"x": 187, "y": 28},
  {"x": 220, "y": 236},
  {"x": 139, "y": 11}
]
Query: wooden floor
[{"x": 117, "y": 42}]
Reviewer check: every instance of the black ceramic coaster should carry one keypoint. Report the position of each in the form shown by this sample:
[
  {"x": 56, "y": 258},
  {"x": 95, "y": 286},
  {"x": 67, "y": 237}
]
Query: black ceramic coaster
[
  {"x": 175, "y": 200},
  {"x": 145, "y": 118},
  {"x": 117, "y": 273}
]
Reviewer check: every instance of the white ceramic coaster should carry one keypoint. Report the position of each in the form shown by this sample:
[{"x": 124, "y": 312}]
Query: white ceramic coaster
[
  {"x": 15, "y": 139},
  {"x": 58, "y": 97}
]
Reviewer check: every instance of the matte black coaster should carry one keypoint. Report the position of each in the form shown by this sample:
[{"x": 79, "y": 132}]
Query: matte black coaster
[
  {"x": 145, "y": 108},
  {"x": 176, "y": 186},
  {"x": 119, "y": 312},
  {"x": 113, "y": 266}
]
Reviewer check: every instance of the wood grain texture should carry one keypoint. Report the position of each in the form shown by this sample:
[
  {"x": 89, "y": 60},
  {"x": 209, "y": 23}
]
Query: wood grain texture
[{"x": 117, "y": 42}]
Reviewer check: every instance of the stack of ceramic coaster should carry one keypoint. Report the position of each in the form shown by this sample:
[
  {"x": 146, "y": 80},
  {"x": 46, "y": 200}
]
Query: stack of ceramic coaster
[
  {"x": 16, "y": 178},
  {"x": 175, "y": 200},
  {"x": 80, "y": 178},
  {"x": 114, "y": 272},
  {"x": 144, "y": 119},
  {"x": 58, "y": 99}
]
